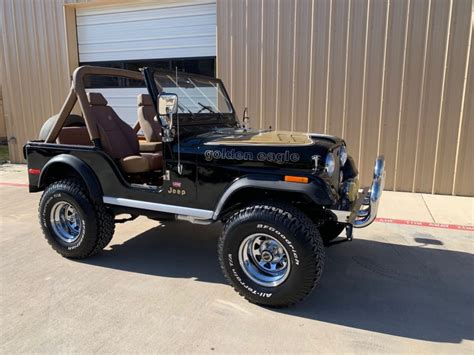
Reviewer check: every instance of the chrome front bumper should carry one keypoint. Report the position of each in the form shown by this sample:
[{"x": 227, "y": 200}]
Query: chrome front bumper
[{"x": 365, "y": 207}]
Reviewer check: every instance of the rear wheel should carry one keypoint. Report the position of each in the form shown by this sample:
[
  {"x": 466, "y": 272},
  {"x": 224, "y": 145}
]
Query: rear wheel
[
  {"x": 72, "y": 224},
  {"x": 271, "y": 254}
]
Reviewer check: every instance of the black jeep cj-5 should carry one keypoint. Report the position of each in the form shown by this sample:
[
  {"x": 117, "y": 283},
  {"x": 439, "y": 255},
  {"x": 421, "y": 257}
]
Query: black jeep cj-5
[{"x": 279, "y": 195}]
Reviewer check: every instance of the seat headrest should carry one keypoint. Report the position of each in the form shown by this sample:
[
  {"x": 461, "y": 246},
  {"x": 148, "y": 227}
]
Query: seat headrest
[
  {"x": 144, "y": 100},
  {"x": 96, "y": 99}
]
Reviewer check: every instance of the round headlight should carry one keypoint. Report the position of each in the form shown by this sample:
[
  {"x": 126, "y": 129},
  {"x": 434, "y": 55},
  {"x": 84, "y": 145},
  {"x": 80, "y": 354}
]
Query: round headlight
[
  {"x": 343, "y": 155},
  {"x": 330, "y": 164}
]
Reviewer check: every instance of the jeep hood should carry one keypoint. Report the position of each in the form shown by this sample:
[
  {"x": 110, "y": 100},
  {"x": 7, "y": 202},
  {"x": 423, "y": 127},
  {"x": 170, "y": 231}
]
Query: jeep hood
[
  {"x": 261, "y": 138},
  {"x": 260, "y": 148}
]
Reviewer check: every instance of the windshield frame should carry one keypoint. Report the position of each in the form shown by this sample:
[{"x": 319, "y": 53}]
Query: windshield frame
[{"x": 151, "y": 72}]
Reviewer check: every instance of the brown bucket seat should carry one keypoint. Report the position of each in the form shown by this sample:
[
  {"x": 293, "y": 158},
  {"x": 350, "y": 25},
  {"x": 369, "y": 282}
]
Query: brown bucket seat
[
  {"x": 150, "y": 126},
  {"x": 119, "y": 139}
]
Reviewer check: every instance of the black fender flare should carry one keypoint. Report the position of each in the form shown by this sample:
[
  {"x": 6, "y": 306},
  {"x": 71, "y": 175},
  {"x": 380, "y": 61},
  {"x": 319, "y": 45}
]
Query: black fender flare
[
  {"x": 84, "y": 171},
  {"x": 317, "y": 190}
]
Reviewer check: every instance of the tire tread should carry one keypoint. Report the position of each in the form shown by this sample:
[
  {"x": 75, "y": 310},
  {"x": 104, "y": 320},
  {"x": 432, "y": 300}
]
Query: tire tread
[
  {"x": 104, "y": 219},
  {"x": 296, "y": 221}
]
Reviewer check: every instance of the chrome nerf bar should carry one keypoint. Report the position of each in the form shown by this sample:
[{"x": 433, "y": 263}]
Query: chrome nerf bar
[{"x": 365, "y": 208}]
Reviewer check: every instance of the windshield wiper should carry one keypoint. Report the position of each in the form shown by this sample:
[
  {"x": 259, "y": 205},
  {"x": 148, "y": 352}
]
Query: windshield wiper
[
  {"x": 209, "y": 108},
  {"x": 184, "y": 108}
]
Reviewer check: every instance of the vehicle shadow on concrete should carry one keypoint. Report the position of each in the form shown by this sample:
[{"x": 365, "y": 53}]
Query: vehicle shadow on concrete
[
  {"x": 410, "y": 291},
  {"x": 172, "y": 249}
]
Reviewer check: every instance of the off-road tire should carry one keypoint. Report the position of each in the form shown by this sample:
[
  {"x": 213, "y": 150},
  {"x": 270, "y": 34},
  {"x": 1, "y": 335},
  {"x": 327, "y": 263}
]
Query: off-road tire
[
  {"x": 330, "y": 231},
  {"x": 293, "y": 229},
  {"x": 98, "y": 221}
]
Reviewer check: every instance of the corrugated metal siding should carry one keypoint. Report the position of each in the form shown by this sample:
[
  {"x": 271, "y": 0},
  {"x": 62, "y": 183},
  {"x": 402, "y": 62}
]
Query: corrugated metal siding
[
  {"x": 34, "y": 73},
  {"x": 464, "y": 158},
  {"x": 391, "y": 77},
  {"x": 3, "y": 130},
  {"x": 128, "y": 32}
]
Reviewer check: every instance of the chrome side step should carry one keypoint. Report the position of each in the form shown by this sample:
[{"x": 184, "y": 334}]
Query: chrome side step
[{"x": 159, "y": 207}]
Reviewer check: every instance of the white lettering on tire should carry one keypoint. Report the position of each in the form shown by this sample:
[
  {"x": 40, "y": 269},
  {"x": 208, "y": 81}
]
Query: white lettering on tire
[
  {"x": 239, "y": 279},
  {"x": 280, "y": 234}
]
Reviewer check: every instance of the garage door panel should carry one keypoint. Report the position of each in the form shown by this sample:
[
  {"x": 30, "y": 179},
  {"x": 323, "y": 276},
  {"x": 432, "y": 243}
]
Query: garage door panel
[
  {"x": 145, "y": 30},
  {"x": 131, "y": 14},
  {"x": 186, "y": 42},
  {"x": 203, "y": 18},
  {"x": 139, "y": 50},
  {"x": 132, "y": 54},
  {"x": 152, "y": 32}
]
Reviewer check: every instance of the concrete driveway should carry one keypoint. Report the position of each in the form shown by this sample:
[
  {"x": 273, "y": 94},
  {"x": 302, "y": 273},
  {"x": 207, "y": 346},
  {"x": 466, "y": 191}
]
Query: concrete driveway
[{"x": 158, "y": 288}]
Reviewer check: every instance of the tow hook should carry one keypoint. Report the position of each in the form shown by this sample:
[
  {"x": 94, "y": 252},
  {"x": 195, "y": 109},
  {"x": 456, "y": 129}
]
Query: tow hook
[{"x": 349, "y": 232}]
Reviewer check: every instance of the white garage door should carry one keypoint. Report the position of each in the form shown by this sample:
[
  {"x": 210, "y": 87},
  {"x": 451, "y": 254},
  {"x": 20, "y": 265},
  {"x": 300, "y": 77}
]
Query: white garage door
[
  {"x": 167, "y": 30},
  {"x": 177, "y": 30}
]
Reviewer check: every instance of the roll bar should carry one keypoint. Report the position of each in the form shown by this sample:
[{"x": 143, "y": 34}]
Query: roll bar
[{"x": 77, "y": 92}]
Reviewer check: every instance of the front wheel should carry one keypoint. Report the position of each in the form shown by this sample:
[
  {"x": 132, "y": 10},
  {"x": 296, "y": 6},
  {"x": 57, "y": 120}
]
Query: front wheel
[
  {"x": 72, "y": 224},
  {"x": 271, "y": 254}
]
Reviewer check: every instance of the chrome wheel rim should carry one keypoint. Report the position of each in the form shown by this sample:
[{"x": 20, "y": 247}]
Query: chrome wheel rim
[
  {"x": 264, "y": 260},
  {"x": 66, "y": 222}
]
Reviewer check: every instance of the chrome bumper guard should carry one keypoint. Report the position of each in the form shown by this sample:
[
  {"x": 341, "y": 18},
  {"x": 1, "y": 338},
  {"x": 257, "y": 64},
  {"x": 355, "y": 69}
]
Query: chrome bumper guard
[{"x": 365, "y": 208}]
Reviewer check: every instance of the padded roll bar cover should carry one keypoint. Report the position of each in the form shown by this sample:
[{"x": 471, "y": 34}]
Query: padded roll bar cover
[
  {"x": 79, "y": 88},
  {"x": 78, "y": 92},
  {"x": 62, "y": 116}
]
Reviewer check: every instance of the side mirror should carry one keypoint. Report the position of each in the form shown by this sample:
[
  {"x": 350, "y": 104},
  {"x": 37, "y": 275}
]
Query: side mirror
[
  {"x": 167, "y": 107},
  {"x": 167, "y": 104}
]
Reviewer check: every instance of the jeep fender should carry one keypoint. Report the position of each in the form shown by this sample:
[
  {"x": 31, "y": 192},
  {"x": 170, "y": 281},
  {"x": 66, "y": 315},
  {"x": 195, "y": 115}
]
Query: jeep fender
[
  {"x": 317, "y": 191},
  {"x": 80, "y": 167}
]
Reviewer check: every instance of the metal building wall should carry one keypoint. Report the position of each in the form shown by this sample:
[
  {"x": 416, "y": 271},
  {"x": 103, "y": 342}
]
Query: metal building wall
[
  {"x": 37, "y": 60},
  {"x": 3, "y": 130},
  {"x": 35, "y": 75},
  {"x": 392, "y": 77}
]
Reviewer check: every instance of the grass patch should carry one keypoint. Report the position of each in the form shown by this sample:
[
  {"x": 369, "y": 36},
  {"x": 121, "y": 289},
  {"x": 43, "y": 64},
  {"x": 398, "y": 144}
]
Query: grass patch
[{"x": 4, "y": 154}]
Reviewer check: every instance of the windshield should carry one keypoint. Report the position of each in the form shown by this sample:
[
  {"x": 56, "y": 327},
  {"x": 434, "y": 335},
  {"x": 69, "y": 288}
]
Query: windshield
[{"x": 196, "y": 95}]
